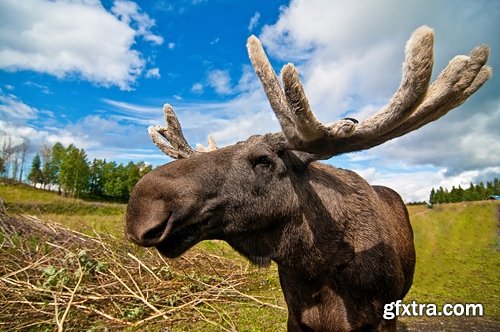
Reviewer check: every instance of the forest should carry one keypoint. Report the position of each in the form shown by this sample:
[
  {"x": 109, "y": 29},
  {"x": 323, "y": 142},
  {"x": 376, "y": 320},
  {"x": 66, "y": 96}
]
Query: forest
[
  {"x": 66, "y": 169},
  {"x": 476, "y": 192}
]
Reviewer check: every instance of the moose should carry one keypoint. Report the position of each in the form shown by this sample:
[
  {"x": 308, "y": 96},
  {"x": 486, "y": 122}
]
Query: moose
[{"x": 343, "y": 248}]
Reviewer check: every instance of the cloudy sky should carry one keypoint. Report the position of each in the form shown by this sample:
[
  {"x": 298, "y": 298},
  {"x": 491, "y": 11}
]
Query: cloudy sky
[{"x": 96, "y": 74}]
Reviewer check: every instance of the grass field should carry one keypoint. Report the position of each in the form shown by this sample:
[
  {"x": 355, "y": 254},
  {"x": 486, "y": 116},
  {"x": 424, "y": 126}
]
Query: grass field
[
  {"x": 458, "y": 257},
  {"x": 458, "y": 261}
]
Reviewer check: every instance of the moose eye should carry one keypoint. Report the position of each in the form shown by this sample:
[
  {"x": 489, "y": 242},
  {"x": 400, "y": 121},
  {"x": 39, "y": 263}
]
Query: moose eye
[{"x": 262, "y": 161}]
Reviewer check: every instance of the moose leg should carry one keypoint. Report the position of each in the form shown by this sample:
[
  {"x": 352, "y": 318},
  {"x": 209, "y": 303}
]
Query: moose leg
[{"x": 388, "y": 325}]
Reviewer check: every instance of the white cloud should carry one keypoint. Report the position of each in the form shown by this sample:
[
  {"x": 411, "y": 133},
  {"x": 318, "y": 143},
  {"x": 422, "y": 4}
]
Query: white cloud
[
  {"x": 171, "y": 46},
  {"x": 14, "y": 109},
  {"x": 43, "y": 88},
  {"x": 153, "y": 73},
  {"x": 254, "y": 21},
  {"x": 50, "y": 136},
  {"x": 463, "y": 141},
  {"x": 197, "y": 88},
  {"x": 15, "y": 123},
  {"x": 102, "y": 136},
  {"x": 220, "y": 81},
  {"x": 416, "y": 185},
  {"x": 248, "y": 81},
  {"x": 75, "y": 38},
  {"x": 129, "y": 12},
  {"x": 132, "y": 113}
]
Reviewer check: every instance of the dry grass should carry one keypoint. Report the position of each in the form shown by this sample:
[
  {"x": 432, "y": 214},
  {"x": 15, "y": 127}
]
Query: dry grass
[{"x": 54, "y": 278}]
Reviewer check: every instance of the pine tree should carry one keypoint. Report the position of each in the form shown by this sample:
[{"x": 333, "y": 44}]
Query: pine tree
[
  {"x": 432, "y": 198},
  {"x": 35, "y": 175}
]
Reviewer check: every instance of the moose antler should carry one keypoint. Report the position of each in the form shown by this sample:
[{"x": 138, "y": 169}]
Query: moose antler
[
  {"x": 414, "y": 104},
  {"x": 175, "y": 145}
]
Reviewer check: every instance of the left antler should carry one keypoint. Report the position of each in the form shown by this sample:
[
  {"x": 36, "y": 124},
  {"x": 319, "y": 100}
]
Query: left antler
[
  {"x": 414, "y": 104},
  {"x": 175, "y": 144}
]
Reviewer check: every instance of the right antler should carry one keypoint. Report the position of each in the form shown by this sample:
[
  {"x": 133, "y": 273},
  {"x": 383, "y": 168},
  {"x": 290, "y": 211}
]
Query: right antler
[{"x": 414, "y": 104}]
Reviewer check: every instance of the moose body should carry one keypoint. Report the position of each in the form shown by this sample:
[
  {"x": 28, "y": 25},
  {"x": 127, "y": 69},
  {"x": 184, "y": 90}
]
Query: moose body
[{"x": 343, "y": 248}]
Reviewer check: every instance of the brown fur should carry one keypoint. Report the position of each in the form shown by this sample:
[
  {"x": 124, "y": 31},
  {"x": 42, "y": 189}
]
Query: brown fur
[{"x": 343, "y": 247}]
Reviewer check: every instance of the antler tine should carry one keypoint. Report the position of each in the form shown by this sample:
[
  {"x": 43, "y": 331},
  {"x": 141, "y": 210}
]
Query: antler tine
[
  {"x": 210, "y": 147},
  {"x": 291, "y": 107},
  {"x": 417, "y": 71},
  {"x": 176, "y": 145},
  {"x": 458, "y": 81},
  {"x": 308, "y": 128},
  {"x": 344, "y": 136},
  {"x": 271, "y": 86}
]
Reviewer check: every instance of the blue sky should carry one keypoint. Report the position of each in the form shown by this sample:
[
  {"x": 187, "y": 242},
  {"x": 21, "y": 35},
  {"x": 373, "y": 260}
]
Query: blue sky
[{"x": 96, "y": 74}]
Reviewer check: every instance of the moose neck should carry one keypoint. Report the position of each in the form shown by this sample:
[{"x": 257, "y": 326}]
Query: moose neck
[{"x": 310, "y": 239}]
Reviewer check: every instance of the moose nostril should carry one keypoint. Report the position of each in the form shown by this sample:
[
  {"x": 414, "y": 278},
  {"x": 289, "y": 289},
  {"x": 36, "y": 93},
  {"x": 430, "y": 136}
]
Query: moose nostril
[{"x": 155, "y": 232}]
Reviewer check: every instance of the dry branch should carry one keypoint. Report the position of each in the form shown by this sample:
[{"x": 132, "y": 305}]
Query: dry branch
[{"x": 53, "y": 277}]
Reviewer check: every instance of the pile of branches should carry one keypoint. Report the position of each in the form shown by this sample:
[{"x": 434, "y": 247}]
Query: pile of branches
[{"x": 54, "y": 278}]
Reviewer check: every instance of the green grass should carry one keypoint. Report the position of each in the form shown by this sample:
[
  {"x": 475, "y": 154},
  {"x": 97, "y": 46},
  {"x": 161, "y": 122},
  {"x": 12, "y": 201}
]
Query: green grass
[
  {"x": 80, "y": 215},
  {"x": 457, "y": 255},
  {"x": 458, "y": 258}
]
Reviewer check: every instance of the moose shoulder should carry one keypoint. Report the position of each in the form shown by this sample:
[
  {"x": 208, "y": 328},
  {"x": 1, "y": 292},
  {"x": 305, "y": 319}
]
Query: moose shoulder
[{"x": 343, "y": 248}]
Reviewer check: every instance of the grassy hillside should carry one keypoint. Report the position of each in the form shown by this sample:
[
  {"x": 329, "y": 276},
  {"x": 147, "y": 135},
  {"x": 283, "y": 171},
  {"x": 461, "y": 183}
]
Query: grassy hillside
[
  {"x": 212, "y": 288},
  {"x": 83, "y": 216},
  {"x": 458, "y": 258}
]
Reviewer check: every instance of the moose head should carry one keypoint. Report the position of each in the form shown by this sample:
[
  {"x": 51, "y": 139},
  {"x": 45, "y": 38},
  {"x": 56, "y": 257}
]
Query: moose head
[{"x": 343, "y": 248}]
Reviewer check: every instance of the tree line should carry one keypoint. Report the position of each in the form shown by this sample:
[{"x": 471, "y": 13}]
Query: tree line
[
  {"x": 67, "y": 170},
  {"x": 476, "y": 192}
]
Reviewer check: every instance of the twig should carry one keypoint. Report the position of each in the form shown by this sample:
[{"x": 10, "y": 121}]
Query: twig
[
  {"x": 99, "y": 296},
  {"x": 144, "y": 266},
  {"x": 192, "y": 303},
  {"x": 210, "y": 321},
  {"x": 141, "y": 298},
  {"x": 253, "y": 298},
  {"x": 105, "y": 315},
  {"x": 60, "y": 324}
]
